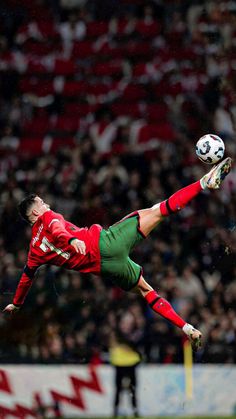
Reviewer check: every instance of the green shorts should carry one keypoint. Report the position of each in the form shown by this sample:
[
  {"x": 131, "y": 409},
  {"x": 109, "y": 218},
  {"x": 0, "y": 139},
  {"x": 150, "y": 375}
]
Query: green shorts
[{"x": 115, "y": 245}]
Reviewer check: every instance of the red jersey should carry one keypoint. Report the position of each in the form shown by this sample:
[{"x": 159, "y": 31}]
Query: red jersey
[{"x": 50, "y": 244}]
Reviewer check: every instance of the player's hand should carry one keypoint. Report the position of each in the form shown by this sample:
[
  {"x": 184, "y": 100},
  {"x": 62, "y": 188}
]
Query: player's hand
[
  {"x": 10, "y": 308},
  {"x": 79, "y": 246}
]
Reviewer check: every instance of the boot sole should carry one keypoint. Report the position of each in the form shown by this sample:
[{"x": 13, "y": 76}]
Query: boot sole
[{"x": 223, "y": 171}]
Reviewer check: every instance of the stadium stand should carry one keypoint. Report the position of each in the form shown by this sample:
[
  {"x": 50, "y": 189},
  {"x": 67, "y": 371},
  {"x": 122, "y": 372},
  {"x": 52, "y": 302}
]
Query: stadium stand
[{"x": 100, "y": 109}]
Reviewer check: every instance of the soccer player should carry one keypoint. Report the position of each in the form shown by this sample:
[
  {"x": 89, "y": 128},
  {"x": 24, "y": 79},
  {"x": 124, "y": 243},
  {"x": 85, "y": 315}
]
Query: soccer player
[{"x": 105, "y": 252}]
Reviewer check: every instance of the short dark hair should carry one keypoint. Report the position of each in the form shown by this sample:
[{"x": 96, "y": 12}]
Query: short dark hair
[{"x": 24, "y": 206}]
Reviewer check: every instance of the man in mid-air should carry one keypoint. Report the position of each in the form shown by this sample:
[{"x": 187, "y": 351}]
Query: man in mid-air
[{"x": 105, "y": 252}]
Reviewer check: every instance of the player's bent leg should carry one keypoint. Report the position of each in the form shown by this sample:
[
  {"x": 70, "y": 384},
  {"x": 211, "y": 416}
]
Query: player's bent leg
[
  {"x": 149, "y": 218},
  {"x": 163, "y": 307}
]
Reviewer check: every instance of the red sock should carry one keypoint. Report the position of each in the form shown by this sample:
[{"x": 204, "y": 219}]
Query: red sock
[
  {"x": 179, "y": 199},
  {"x": 164, "y": 308}
]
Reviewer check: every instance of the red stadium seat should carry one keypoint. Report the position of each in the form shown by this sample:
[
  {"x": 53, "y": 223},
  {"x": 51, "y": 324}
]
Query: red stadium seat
[
  {"x": 79, "y": 109},
  {"x": 142, "y": 49},
  {"x": 148, "y": 29},
  {"x": 38, "y": 49},
  {"x": 37, "y": 127},
  {"x": 140, "y": 69},
  {"x": 98, "y": 89},
  {"x": 36, "y": 86},
  {"x": 167, "y": 88},
  {"x": 159, "y": 89},
  {"x": 96, "y": 29},
  {"x": 112, "y": 68},
  {"x": 82, "y": 49},
  {"x": 114, "y": 51},
  {"x": 134, "y": 92},
  {"x": 58, "y": 143},
  {"x": 36, "y": 67},
  {"x": 61, "y": 124},
  {"x": 31, "y": 146},
  {"x": 48, "y": 29},
  {"x": 64, "y": 67},
  {"x": 75, "y": 88},
  {"x": 66, "y": 124},
  {"x": 157, "y": 112},
  {"x": 187, "y": 54},
  {"x": 162, "y": 132},
  {"x": 174, "y": 89},
  {"x": 127, "y": 109}
]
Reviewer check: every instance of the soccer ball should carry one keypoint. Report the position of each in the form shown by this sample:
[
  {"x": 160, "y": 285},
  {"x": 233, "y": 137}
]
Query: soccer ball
[{"x": 210, "y": 148}]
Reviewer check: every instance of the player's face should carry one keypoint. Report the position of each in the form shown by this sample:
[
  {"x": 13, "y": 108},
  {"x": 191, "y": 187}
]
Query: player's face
[{"x": 39, "y": 207}]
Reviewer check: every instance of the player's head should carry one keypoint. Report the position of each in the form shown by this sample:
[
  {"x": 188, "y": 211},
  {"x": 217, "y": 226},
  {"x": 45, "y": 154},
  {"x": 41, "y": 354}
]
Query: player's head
[{"x": 32, "y": 207}]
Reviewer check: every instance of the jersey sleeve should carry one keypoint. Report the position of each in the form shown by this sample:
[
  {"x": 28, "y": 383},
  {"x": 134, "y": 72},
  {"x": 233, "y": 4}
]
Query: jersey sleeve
[
  {"x": 26, "y": 281},
  {"x": 56, "y": 227}
]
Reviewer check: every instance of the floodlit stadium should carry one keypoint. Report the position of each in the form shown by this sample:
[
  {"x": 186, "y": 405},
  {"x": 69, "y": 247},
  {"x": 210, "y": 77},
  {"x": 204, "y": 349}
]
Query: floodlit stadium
[{"x": 102, "y": 103}]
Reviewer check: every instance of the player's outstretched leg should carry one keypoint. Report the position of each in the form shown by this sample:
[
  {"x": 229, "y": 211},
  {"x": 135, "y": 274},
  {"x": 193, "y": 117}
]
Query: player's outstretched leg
[
  {"x": 151, "y": 217},
  {"x": 163, "y": 307}
]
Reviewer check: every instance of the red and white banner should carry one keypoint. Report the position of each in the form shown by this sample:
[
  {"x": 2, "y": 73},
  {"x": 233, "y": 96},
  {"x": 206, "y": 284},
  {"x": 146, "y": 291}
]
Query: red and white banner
[{"x": 85, "y": 391}]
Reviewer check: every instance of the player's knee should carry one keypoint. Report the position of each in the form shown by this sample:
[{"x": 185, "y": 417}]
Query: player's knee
[
  {"x": 156, "y": 212},
  {"x": 143, "y": 287},
  {"x": 156, "y": 207}
]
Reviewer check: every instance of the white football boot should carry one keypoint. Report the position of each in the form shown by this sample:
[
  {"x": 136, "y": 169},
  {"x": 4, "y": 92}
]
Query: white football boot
[
  {"x": 194, "y": 336},
  {"x": 215, "y": 177},
  {"x": 196, "y": 340}
]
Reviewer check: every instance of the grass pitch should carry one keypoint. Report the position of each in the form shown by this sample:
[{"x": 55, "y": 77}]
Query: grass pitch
[{"x": 159, "y": 417}]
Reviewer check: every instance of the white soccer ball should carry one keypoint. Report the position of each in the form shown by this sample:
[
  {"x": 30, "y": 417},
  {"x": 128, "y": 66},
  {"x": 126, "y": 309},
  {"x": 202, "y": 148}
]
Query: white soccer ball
[{"x": 210, "y": 148}]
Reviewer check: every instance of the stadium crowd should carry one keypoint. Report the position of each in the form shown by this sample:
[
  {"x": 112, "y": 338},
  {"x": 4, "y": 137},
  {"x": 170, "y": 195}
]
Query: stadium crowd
[{"x": 101, "y": 103}]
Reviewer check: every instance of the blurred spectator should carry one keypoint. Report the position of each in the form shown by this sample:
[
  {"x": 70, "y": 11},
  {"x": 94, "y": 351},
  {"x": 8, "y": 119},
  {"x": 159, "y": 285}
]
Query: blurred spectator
[{"x": 73, "y": 29}]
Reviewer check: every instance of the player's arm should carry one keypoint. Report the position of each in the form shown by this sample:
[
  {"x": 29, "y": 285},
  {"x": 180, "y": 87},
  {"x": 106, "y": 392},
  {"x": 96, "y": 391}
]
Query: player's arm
[
  {"x": 58, "y": 230},
  {"x": 23, "y": 288}
]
